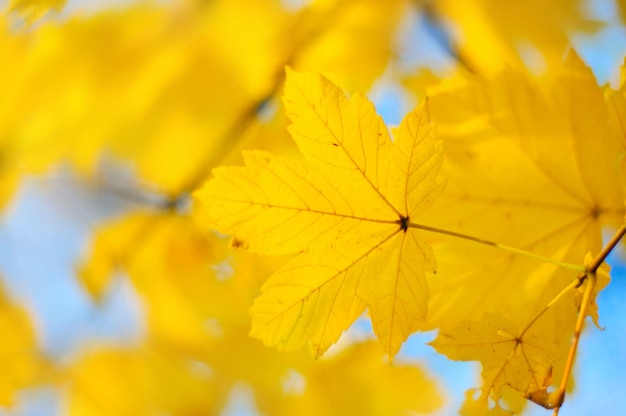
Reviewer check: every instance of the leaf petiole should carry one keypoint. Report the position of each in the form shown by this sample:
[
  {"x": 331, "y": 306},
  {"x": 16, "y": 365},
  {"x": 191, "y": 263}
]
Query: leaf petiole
[
  {"x": 595, "y": 264},
  {"x": 574, "y": 284},
  {"x": 576, "y": 267},
  {"x": 582, "y": 313},
  {"x": 590, "y": 276}
]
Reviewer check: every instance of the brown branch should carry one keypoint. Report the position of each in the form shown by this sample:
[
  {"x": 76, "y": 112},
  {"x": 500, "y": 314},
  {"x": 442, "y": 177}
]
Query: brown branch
[{"x": 590, "y": 277}]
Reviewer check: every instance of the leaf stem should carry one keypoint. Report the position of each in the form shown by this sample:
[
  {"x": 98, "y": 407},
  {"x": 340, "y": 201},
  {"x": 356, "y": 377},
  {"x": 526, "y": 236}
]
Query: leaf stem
[
  {"x": 582, "y": 313},
  {"x": 590, "y": 276},
  {"x": 595, "y": 264},
  {"x": 570, "y": 266},
  {"x": 574, "y": 284}
]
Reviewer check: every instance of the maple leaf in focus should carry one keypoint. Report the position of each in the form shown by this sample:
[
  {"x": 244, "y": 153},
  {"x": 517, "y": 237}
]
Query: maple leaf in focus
[
  {"x": 508, "y": 357},
  {"x": 347, "y": 211}
]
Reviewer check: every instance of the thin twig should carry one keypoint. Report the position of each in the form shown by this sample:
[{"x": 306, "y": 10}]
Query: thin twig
[
  {"x": 582, "y": 313},
  {"x": 590, "y": 277}
]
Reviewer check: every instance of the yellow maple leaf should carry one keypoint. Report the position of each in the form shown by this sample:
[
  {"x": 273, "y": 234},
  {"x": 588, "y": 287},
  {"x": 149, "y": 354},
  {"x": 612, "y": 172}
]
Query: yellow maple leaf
[
  {"x": 555, "y": 204},
  {"x": 531, "y": 162},
  {"x": 347, "y": 211},
  {"x": 508, "y": 357}
]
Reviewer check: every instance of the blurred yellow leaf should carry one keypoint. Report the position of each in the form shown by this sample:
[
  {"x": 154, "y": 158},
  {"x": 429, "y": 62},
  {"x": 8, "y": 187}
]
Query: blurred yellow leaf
[
  {"x": 349, "y": 41},
  {"x": 530, "y": 163},
  {"x": 418, "y": 83},
  {"x": 8, "y": 185},
  {"x": 112, "y": 246},
  {"x": 337, "y": 386},
  {"x": 621, "y": 4},
  {"x": 33, "y": 9},
  {"x": 138, "y": 381},
  {"x": 169, "y": 261},
  {"x": 172, "y": 104},
  {"x": 21, "y": 361},
  {"x": 493, "y": 35}
]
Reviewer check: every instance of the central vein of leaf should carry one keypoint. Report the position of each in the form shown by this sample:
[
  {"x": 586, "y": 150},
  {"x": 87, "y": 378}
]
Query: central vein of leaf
[{"x": 404, "y": 223}]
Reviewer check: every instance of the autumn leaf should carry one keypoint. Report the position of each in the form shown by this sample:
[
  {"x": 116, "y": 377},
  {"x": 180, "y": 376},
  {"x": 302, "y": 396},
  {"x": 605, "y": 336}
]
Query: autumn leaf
[
  {"x": 531, "y": 162},
  {"x": 552, "y": 132},
  {"x": 347, "y": 211},
  {"x": 508, "y": 357}
]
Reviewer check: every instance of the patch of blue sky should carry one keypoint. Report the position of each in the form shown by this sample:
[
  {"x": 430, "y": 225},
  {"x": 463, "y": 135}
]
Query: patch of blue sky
[{"x": 41, "y": 238}]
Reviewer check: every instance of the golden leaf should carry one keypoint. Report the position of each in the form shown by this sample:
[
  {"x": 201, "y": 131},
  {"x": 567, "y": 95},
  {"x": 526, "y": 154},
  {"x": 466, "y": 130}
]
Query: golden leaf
[
  {"x": 508, "y": 357},
  {"x": 524, "y": 163},
  {"x": 347, "y": 211}
]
